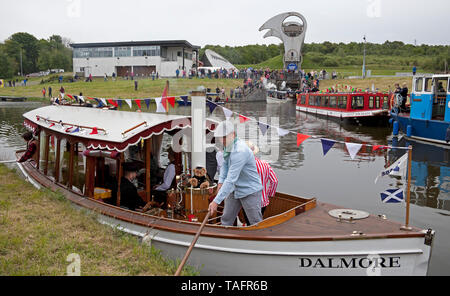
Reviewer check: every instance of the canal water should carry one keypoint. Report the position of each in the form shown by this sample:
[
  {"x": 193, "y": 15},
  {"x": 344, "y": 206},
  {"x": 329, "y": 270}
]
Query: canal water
[{"x": 334, "y": 178}]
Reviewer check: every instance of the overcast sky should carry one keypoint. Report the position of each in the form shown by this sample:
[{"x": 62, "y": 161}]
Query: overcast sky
[{"x": 229, "y": 22}]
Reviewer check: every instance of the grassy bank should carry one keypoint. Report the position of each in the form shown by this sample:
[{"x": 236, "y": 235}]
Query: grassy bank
[
  {"x": 123, "y": 88},
  {"x": 39, "y": 229},
  {"x": 384, "y": 84}
]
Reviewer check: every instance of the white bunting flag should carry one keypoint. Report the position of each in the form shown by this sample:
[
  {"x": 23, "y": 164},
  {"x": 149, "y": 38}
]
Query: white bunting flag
[
  {"x": 128, "y": 101},
  {"x": 81, "y": 99},
  {"x": 228, "y": 113},
  {"x": 282, "y": 132},
  {"x": 104, "y": 101},
  {"x": 159, "y": 106},
  {"x": 353, "y": 149}
]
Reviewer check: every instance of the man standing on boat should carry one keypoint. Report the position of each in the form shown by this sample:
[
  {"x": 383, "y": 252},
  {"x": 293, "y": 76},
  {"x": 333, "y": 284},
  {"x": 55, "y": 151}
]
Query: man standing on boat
[{"x": 239, "y": 181}]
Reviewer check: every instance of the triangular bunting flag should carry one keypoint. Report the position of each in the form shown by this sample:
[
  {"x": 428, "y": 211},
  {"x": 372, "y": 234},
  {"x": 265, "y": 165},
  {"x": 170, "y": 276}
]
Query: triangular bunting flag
[
  {"x": 159, "y": 106},
  {"x": 70, "y": 96},
  {"x": 379, "y": 147},
  {"x": 301, "y": 138},
  {"x": 128, "y": 101},
  {"x": 263, "y": 127},
  {"x": 147, "y": 102},
  {"x": 119, "y": 102},
  {"x": 228, "y": 113},
  {"x": 243, "y": 119},
  {"x": 171, "y": 101},
  {"x": 75, "y": 130},
  {"x": 282, "y": 132},
  {"x": 100, "y": 104},
  {"x": 112, "y": 102},
  {"x": 94, "y": 131},
  {"x": 327, "y": 145},
  {"x": 353, "y": 149},
  {"x": 138, "y": 102},
  {"x": 184, "y": 98},
  {"x": 104, "y": 101},
  {"x": 68, "y": 129},
  {"x": 81, "y": 98},
  {"x": 211, "y": 106},
  {"x": 51, "y": 124}
]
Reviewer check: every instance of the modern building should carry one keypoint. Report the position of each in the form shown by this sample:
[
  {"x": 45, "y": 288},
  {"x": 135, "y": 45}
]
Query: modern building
[
  {"x": 215, "y": 60},
  {"x": 138, "y": 57}
]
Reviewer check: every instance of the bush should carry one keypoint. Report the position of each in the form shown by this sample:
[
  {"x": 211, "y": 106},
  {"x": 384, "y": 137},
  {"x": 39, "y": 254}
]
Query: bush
[{"x": 55, "y": 79}]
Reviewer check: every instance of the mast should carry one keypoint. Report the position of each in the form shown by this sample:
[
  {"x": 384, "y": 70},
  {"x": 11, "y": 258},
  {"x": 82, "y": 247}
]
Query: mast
[{"x": 408, "y": 191}]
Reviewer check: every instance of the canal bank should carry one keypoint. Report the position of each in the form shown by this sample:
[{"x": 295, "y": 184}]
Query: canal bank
[{"x": 43, "y": 234}]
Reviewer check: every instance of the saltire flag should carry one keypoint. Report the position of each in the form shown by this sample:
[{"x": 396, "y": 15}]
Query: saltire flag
[
  {"x": 112, "y": 102},
  {"x": 282, "y": 132},
  {"x": 128, "y": 101},
  {"x": 353, "y": 149},
  {"x": 228, "y": 113},
  {"x": 243, "y": 119},
  {"x": 138, "y": 102},
  {"x": 301, "y": 138},
  {"x": 392, "y": 196},
  {"x": 147, "y": 102},
  {"x": 327, "y": 145},
  {"x": 397, "y": 169},
  {"x": 263, "y": 127},
  {"x": 211, "y": 106}
]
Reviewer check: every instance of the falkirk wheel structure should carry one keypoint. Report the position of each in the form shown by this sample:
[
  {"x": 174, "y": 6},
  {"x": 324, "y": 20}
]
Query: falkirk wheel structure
[{"x": 292, "y": 34}]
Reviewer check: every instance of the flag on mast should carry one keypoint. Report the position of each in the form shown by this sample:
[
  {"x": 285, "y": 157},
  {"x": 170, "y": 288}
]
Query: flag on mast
[{"x": 397, "y": 169}]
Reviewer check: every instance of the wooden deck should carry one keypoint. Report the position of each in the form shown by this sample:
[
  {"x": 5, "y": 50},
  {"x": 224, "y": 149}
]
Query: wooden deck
[
  {"x": 12, "y": 99},
  {"x": 314, "y": 224}
]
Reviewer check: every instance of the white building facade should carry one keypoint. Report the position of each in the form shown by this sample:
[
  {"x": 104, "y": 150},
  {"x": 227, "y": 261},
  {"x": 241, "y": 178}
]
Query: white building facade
[{"x": 137, "y": 58}]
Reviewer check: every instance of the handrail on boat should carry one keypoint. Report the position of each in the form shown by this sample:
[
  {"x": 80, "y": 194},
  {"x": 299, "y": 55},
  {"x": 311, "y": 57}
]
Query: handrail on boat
[
  {"x": 71, "y": 124},
  {"x": 134, "y": 127}
]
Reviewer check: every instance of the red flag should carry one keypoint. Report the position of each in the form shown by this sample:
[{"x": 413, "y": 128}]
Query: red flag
[
  {"x": 51, "y": 124},
  {"x": 112, "y": 102},
  {"x": 70, "y": 96},
  {"x": 164, "y": 96},
  {"x": 301, "y": 138},
  {"x": 379, "y": 147},
  {"x": 138, "y": 102},
  {"x": 171, "y": 101},
  {"x": 94, "y": 131},
  {"x": 243, "y": 119}
]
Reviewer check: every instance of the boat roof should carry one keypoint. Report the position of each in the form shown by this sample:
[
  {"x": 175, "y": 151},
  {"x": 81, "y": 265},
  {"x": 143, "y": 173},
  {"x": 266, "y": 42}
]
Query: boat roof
[{"x": 117, "y": 130}]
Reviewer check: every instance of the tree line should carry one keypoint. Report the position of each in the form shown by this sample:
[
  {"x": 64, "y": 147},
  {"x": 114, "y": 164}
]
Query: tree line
[{"x": 36, "y": 55}]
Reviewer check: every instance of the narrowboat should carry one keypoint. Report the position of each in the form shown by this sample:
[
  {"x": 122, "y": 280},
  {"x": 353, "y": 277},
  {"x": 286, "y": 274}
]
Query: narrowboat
[
  {"x": 360, "y": 107},
  {"x": 81, "y": 150},
  {"x": 429, "y": 117}
]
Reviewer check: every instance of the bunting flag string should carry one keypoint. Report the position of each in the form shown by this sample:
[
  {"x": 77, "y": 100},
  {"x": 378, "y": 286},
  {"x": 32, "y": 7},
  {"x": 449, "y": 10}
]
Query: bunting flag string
[{"x": 327, "y": 145}]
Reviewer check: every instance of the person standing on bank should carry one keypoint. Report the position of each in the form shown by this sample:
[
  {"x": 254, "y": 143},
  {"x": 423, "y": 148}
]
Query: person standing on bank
[{"x": 239, "y": 181}]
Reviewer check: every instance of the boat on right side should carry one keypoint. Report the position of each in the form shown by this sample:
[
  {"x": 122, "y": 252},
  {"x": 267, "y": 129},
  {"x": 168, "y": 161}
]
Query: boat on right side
[{"x": 429, "y": 116}]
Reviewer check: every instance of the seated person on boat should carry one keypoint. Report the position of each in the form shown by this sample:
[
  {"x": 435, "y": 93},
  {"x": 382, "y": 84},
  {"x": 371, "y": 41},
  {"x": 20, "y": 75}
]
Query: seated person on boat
[
  {"x": 31, "y": 147},
  {"x": 160, "y": 190},
  {"x": 129, "y": 196}
]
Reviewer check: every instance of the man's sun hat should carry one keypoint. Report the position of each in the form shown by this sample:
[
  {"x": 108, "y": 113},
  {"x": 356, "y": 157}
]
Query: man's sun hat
[{"x": 224, "y": 129}]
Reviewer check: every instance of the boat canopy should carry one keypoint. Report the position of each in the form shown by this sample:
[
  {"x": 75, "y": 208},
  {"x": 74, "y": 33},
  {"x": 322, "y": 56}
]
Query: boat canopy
[{"x": 106, "y": 129}]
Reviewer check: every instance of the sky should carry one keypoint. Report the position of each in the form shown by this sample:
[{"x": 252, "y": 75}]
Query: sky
[{"x": 229, "y": 22}]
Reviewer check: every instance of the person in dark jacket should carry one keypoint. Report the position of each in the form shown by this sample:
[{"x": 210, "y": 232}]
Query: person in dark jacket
[
  {"x": 129, "y": 196},
  {"x": 31, "y": 147},
  {"x": 404, "y": 94}
]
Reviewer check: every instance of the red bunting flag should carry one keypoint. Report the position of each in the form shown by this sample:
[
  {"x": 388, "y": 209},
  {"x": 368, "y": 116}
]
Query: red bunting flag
[
  {"x": 112, "y": 102},
  {"x": 243, "y": 119},
  {"x": 51, "y": 124},
  {"x": 301, "y": 138},
  {"x": 94, "y": 131},
  {"x": 70, "y": 96},
  {"x": 164, "y": 96},
  {"x": 379, "y": 147},
  {"x": 138, "y": 102},
  {"x": 171, "y": 101}
]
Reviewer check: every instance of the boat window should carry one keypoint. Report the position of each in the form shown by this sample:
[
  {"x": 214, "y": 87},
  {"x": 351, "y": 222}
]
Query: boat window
[
  {"x": 342, "y": 102},
  {"x": 51, "y": 157},
  {"x": 428, "y": 84},
  {"x": 419, "y": 84},
  {"x": 357, "y": 102},
  {"x": 441, "y": 86},
  {"x": 385, "y": 103},
  {"x": 333, "y": 102},
  {"x": 311, "y": 100},
  {"x": 79, "y": 168},
  {"x": 371, "y": 103},
  {"x": 324, "y": 102},
  {"x": 303, "y": 100},
  {"x": 64, "y": 162},
  {"x": 43, "y": 143}
]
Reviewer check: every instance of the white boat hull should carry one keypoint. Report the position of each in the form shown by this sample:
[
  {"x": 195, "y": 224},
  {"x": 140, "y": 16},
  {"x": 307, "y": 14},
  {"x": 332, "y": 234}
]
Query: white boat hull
[
  {"x": 271, "y": 100},
  {"x": 221, "y": 256},
  {"x": 338, "y": 114}
]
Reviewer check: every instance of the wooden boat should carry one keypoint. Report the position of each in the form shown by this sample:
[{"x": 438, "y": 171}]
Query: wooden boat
[
  {"x": 277, "y": 97},
  {"x": 298, "y": 236},
  {"x": 361, "y": 107}
]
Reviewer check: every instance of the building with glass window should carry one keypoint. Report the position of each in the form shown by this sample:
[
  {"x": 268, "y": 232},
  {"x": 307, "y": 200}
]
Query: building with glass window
[{"x": 138, "y": 58}]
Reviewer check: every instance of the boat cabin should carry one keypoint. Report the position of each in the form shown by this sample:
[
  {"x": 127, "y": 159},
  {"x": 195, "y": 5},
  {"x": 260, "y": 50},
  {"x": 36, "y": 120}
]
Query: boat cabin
[
  {"x": 430, "y": 97},
  {"x": 82, "y": 151}
]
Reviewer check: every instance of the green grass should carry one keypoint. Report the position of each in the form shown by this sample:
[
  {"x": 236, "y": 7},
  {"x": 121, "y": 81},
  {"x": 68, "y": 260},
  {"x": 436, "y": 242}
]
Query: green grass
[
  {"x": 122, "y": 88},
  {"x": 40, "y": 228}
]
